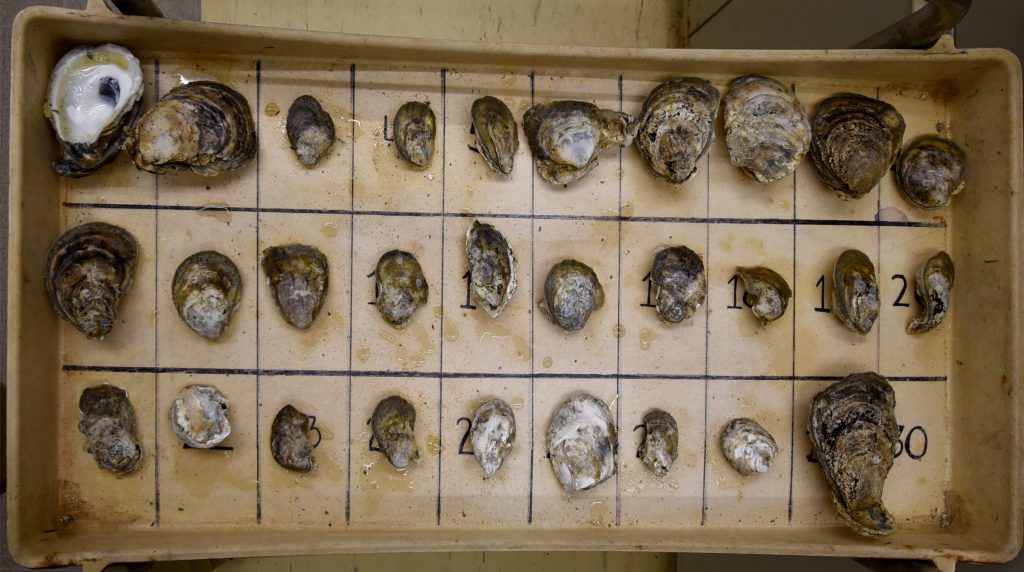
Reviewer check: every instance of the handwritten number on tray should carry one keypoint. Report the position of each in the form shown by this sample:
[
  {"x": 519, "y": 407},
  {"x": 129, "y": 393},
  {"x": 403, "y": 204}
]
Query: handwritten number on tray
[
  {"x": 647, "y": 279},
  {"x": 735, "y": 281},
  {"x": 899, "y": 303},
  {"x": 465, "y": 437},
  {"x": 822, "y": 307}
]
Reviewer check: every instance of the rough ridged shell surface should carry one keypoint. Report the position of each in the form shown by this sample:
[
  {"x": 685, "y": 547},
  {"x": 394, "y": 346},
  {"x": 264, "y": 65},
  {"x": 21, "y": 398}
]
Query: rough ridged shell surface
[
  {"x": 934, "y": 286},
  {"x": 206, "y": 290},
  {"x": 393, "y": 424},
  {"x": 497, "y": 136},
  {"x": 766, "y": 128},
  {"x": 680, "y": 283},
  {"x": 855, "y": 291},
  {"x": 108, "y": 423},
  {"x": 769, "y": 290},
  {"x": 748, "y": 446},
  {"x": 415, "y": 128},
  {"x": 299, "y": 276},
  {"x": 582, "y": 443},
  {"x": 401, "y": 287},
  {"x": 289, "y": 440},
  {"x": 310, "y": 129},
  {"x": 930, "y": 171},
  {"x": 493, "y": 434},
  {"x": 199, "y": 416},
  {"x": 492, "y": 270},
  {"x": 660, "y": 446},
  {"x": 677, "y": 126},
  {"x": 567, "y": 136},
  {"x": 571, "y": 294}
]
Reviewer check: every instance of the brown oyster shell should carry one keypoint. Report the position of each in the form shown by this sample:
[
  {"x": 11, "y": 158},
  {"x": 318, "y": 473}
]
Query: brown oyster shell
[
  {"x": 930, "y": 171},
  {"x": 289, "y": 440},
  {"x": 492, "y": 270},
  {"x": 571, "y": 294},
  {"x": 401, "y": 287},
  {"x": 770, "y": 291},
  {"x": 108, "y": 423},
  {"x": 299, "y": 275},
  {"x": 676, "y": 127},
  {"x": 855, "y": 299},
  {"x": 206, "y": 290},
  {"x": 310, "y": 129},
  {"x": 414, "y": 128},
  {"x": 934, "y": 287},
  {"x": 680, "y": 283},
  {"x": 393, "y": 424},
  {"x": 497, "y": 136},
  {"x": 660, "y": 447},
  {"x": 766, "y": 128},
  {"x": 567, "y": 136}
]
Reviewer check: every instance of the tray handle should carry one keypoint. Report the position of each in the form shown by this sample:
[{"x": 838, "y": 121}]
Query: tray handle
[
  {"x": 110, "y": 8},
  {"x": 922, "y": 29}
]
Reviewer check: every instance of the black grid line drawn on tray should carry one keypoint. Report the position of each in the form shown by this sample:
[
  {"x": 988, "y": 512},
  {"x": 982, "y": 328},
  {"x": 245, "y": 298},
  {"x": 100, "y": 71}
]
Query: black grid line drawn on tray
[
  {"x": 156, "y": 324},
  {"x": 618, "y": 338},
  {"x": 440, "y": 329},
  {"x": 259, "y": 485},
  {"x": 351, "y": 281},
  {"x": 533, "y": 313}
]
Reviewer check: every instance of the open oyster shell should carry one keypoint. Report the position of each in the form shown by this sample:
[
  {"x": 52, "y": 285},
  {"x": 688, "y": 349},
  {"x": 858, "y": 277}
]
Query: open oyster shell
[
  {"x": 676, "y": 127},
  {"x": 492, "y": 267},
  {"x": 582, "y": 443},
  {"x": 289, "y": 440},
  {"x": 310, "y": 129},
  {"x": 930, "y": 171},
  {"x": 207, "y": 289},
  {"x": 748, "y": 447},
  {"x": 680, "y": 283},
  {"x": 934, "y": 286},
  {"x": 401, "y": 287},
  {"x": 108, "y": 423},
  {"x": 497, "y": 137},
  {"x": 199, "y": 416},
  {"x": 567, "y": 136},
  {"x": 855, "y": 291},
  {"x": 414, "y": 129},
  {"x": 660, "y": 447},
  {"x": 493, "y": 435},
  {"x": 770, "y": 291},
  {"x": 571, "y": 293},
  {"x": 299, "y": 276},
  {"x": 393, "y": 424},
  {"x": 766, "y": 128}
]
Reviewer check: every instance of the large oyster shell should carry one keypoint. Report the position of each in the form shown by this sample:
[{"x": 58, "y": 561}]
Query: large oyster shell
[
  {"x": 401, "y": 287},
  {"x": 934, "y": 286},
  {"x": 493, "y": 434},
  {"x": 108, "y": 423},
  {"x": 492, "y": 267},
  {"x": 748, "y": 446},
  {"x": 199, "y": 416},
  {"x": 571, "y": 293},
  {"x": 393, "y": 424},
  {"x": 680, "y": 283},
  {"x": 582, "y": 443},
  {"x": 415, "y": 128},
  {"x": 299, "y": 275},
  {"x": 676, "y": 127},
  {"x": 566, "y": 137},
  {"x": 206, "y": 290},
  {"x": 855, "y": 291},
  {"x": 497, "y": 137},
  {"x": 766, "y": 128},
  {"x": 660, "y": 447},
  {"x": 930, "y": 171},
  {"x": 289, "y": 440},
  {"x": 310, "y": 129}
]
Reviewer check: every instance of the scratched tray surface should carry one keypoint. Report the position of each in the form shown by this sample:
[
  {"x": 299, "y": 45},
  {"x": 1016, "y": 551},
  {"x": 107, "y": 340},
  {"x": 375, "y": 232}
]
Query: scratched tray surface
[{"x": 361, "y": 201}]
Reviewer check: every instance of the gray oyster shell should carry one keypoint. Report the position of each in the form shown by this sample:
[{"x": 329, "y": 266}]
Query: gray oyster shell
[
  {"x": 497, "y": 137},
  {"x": 393, "y": 423},
  {"x": 676, "y": 127},
  {"x": 89, "y": 269},
  {"x": 930, "y": 171},
  {"x": 855, "y": 291},
  {"x": 108, "y": 423},
  {"x": 289, "y": 440},
  {"x": 571, "y": 293},
  {"x": 853, "y": 430},
  {"x": 680, "y": 283},
  {"x": 199, "y": 416},
  {"x": 934, "y": 286},
  {"x": 748, "y": 447},
  {"x": 207, "y": 289},
  {"x": 582, "y": 443},
  {"x": 493, "y": 434},
  {"x": 310, "y": 129},
  {"x": 299, "y": 275},
  {"x": 567, "y": 136},
  {"x": 492, "y": 267},
  {"x": 401, "y": 287},
  {"x": 414, "y": 129},
  {"x": 660, "y": 447},
  {"x": 766, "y": 128},
  {"x": 770, "y": 291}
]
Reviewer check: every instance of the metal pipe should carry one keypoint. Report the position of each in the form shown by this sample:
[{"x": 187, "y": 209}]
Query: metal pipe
[{"x": 920, "y": 30}]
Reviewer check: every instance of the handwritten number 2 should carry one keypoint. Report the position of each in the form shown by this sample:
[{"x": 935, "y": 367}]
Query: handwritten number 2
[
  {"x": 899, "y": 303},
  {"x": 465, "y": 437}
]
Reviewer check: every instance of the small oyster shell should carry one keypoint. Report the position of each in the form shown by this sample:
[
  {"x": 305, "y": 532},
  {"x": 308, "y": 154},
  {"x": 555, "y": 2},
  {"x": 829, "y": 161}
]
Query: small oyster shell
[
  {"x": 660, "y": 447},
  {"x": 88, "y": 270},
  {"x": 571, "y": 293},
  {"x": 748, "y": 447},
  {"x": 680, "y": 283},
  {"x": 299, "y": 276},
  {"x": 289, "y": 440},
  {"x": 108, "y": 423},
  {"x": 853, "y": 431},
  {"x": 492, "y": 267},
  {"x": 393, "y": 422},
  {"x": 310, "y": 129},
  {"x": 770, "y": 291},
  {"x": 930, "y": 171},
  {"x": 582, "y": 443},
  {"x": 497, "y": 137},
  {"x": 855, "y": 291},
  {"x": 414, "y": 129},
  {"x": 207, "y": 289},
  {"x": 493, "y": 435},
  {"x": 567, "y": 136},
  {"x": 199, "y": 416},
  {"x": 766, "y": 128},
  {"x": 934, "y": 286},
  {"x": 401, "y": 287},
  {"x": 854, "y": 141},
  {"x": 676, "y": 127},
  {"x": 202, "y": 126}
]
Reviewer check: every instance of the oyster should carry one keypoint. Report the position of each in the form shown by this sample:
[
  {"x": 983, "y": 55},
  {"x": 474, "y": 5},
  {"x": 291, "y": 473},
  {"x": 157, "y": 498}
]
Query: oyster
[
  {"x": 207, "y": 289},
  {"x": 401, "y": 287},
  {"x": 933, "y": 289},
  {"x": 94, "y": 93},
  {"x": 203, "y": 126},
  {"x": 298, "y": 274},
  {"x": 854, "y": 141},
  {"x": 289, "y": 440},
  {"x": 770, "y": 291},
  {"x": 566, "y": 137},
  {"x": 680, "y": 283},
  {"x": 414, "y": 133},
  {"x": 748, "y": 447},
  {"x": 199, "y": 416},
  {"x": 582, "y": 443},
  {"x": 660, "y": 447},
  {"x": 855, "y": 291},
  {"x": 766, "y": 128},
  {"x": 571, "y": 293},
  {"x": 108, "y": 423},
  {"x": 88, "y": 270},
  {"x": 492, "y": 270},
  {"x": 930, "y": 171},
  {"x": 310, "y": 129},
  {"x": 493, "y": 435},
  {"x": 393, "y": 422},
  {"x": 497, "y": 137},
  {"x": 676, "y": 127},
  {"x": 853, "y": 431}
]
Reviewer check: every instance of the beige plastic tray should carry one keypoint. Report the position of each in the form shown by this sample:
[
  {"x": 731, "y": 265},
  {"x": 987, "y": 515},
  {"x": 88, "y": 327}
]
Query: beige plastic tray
[{"x": 955, "y": 487}]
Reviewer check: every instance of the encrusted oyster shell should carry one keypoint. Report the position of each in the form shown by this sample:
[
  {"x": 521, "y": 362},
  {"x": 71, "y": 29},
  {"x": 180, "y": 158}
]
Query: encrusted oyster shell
[
  {"x": 207, "y": 289},
  {"x": 582, "y": 443},
  {"x": 770, "y": 291},
  {"x": 680, "y": 283},
  {"x": 748, "y": 447},
  {"x": 310, "y": 129},
  {"x": 289, "y": 440},
  {"x": 199, "y": 416},
  {"x": 766, "y": 128},
  {"x": 567, "y": 136},
  {"x": 414, "y": 128},
  {"x": 676, "y": 127},
  {"x": 855, "y": 291},
  {"x": 934, "y": 286},
  {"x": 393, "y": 424},
  {"x": 108, "y": 423},
  {"x": 660, "y": 447},
  {"x": 493, "y": 434},
  {"x": 571, "y": 293},
  {"x": 492, "y": 267},
  {"x": 497, "y": 137},
  {"x": 299, "y": 275},
  {"x": 930, "y": 171},
  {"x": 401, "y": 287}
]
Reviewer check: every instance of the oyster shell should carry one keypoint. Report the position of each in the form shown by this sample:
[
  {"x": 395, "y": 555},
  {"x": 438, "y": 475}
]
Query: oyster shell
[
  {"x": 853, "y": 431},
  {"x": 202, "y": 126},
  {"x": 88, "y": 270},
  {"x": 854, "y": 141},
  {"x": 401, "y": 287},
  {"x": 497, "y": 137},
  {"x": 493, "y": 435},
  {"x": 567, "y": 136},
  {"x": 766, "y": 128},
  {"x": 660, "y": 447},
  {"x": 299, "y": 276},
  {"x": 289, "y": 440},
  {"x": 207, "y": 289},
  {"x": 94, "y": 93},
  {"x": 855, "y": 291},
  {"x": 582, "y": 443},
  {"x": 492, "y": 267},
  {"x": 676, "y": 127},
  {"x": 770, "y": 291},
  {"x": 571, "y": 293},
  {"x": 748, "y": 447},
  {"x": 199, "y": 416},
  {"x": 393, "y": 422},
  {"x": 414, "y": 133},
  {"x": 930, "y": 171},
  {"x": 108, "y": 423},
  {"x": 934, "y": 286},
  {"x": 680, "y": 283},
  {"x": 310, "y": 129}
]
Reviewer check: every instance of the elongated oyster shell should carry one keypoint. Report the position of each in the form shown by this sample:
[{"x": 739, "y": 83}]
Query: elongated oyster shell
[
  {"x": 497, "y": 137},
  {"x": 289, "y": 440},
  {"x": 676, "y": 127},
  {"x": 207, "y": 289},
  {"x": 582, "y": 443},
  {"x": 770, "y": 291},
  {"x": 108, "y": 423},
  {"x": 310, "y": 129},
  {"x": 766, "y": 128},
  {"x": 88, "y": 270},
  {"x": 660, "y": 447},
  {"x": 401, "y": 287},
  {"x": 202, "y": 126},
  {"x": 680, "y": 283},
  {"x": 393, "y": 424},
  {"x": 930, "y": 171},
  {"x": 853, "y": 431},
  {"x": 567, "y": 136},
  {"x": 199, "y": 416},
  {"x": 492, "y": 267},
  {"x": 299, "y": 276},
  {"x": 934, "y": 286},
  {"x": 493, "y": 435},
  {"x": 855, "y": 291},
  {"x": 415, "y": 128},
  {"x": 571, "y": 293},
  {"x": 748, "y": 447}
]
